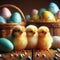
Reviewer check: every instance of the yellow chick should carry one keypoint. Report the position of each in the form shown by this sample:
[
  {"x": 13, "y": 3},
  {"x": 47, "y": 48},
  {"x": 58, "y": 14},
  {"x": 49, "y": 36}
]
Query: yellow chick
[
  {"x": 19, "y": 37},
  {"x": 44, "y": 38},
  {"x": 32, "y": 36}
]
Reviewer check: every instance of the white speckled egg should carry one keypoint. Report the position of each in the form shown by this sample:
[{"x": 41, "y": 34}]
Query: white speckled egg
[
  {"x": 6, "y": 13},
  {"x": 56, "y": 42}
]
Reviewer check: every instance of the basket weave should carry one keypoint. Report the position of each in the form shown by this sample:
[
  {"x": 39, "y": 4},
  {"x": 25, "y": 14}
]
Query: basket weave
[
  {"x": 53, "y": 26},
  {"x": 5, "y": 29}
]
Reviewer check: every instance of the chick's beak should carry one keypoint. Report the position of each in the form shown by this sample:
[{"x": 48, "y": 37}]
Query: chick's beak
[
  {"x": 33, "y": 32},
  {"x": 41, "y": 33},
  {"x": 30, "y": 32}
]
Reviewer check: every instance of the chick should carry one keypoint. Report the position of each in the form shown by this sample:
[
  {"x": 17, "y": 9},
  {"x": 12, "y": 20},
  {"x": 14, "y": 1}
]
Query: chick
[
  {"x": 19, "y": 37},
  {"x": 44, "y": 38},
  {"x": 32, "y": 36}
]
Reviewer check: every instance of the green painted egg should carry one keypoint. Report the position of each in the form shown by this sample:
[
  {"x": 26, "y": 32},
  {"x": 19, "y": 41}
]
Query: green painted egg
[
  {"x": 40, "y": 12},
  {"x": 5, "y": 45}
]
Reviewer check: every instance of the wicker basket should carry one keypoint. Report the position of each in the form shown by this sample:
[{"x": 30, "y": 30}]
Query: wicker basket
[
  {"x": 53, "y": 26},
  {"x": 5, "y": 29}
]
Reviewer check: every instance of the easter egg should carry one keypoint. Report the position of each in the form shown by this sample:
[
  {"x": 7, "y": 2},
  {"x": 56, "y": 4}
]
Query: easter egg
[
  {"x": 16, "y": 18},
  {"x": 34, "y": 11},
  {"x": 58, "y": 16},
  {"x": 2, "y": 20},
  {"x": 6, "y": 13},
  {"x": 5, "y": 45},
  {"x": 48, "y": 16},
  {"x": 53, "y": 8},
  {"x": 27, "y": 17},
  {"x": 40, "y": 12},
  {"x": 56, "y": 42},
  {"x": 35, "y": 17}
]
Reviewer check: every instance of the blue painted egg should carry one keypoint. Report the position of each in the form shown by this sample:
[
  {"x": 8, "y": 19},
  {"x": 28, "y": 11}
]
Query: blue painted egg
[
  {"x": 16, "y": 18},
  {"x": 27, "y": 17},
  {"x": 5, "y": 45},
  {"x": 56, "y": 42},
  {"x": 40, "y": 12},
  {"x": 53, "y": 8},
  {"x": 2, "y": 20}
]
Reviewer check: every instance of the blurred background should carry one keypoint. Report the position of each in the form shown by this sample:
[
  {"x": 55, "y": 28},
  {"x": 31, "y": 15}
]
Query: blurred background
[{"x": 27, "y": 5}]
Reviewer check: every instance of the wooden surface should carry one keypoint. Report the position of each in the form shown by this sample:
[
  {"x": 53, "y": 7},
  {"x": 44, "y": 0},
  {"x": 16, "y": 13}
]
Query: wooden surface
[
  {"x": 49, "y": 55},
  {"x": 7, "y": 56}
]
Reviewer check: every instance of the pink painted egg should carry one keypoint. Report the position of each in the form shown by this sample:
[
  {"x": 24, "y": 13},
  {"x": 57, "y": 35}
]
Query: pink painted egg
[
  {"x": 34, "y": 11},
  {"x": 6, "y": 13},
  {"x": 58, "y": 15}
]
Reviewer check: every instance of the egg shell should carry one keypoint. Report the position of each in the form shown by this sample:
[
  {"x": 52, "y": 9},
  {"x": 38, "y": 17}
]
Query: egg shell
[
  {"x": 16, "y": 18},
  {"x": 40, "y": 11},
  {"x": 2, "y": 20},
  {"x": 27, "y": 17},
  {"x": 58, "y": 15},
  {"x": 34, "y": 11},
  {"x": 56, "y": 42},
  {"x": 48, "y": 16},
  {"x": 5, "y": 45},
  {"x": 53, "y": 7},
  {"x": 6, "y": 13}
]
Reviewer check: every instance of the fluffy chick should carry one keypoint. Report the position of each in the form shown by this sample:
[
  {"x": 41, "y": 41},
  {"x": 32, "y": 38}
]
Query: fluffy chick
[
  {"x": 19, "y": 37},
  {"x": 32, "y": 36},
  {"x": 44, "y": 38}
]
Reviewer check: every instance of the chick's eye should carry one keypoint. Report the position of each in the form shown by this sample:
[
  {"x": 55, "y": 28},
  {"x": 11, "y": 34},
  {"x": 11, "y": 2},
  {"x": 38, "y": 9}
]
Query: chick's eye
[
  {"x": 16, "y": 30},
  {"x": 30, "y": 31},
  {"x": 42, "y": 32}
]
